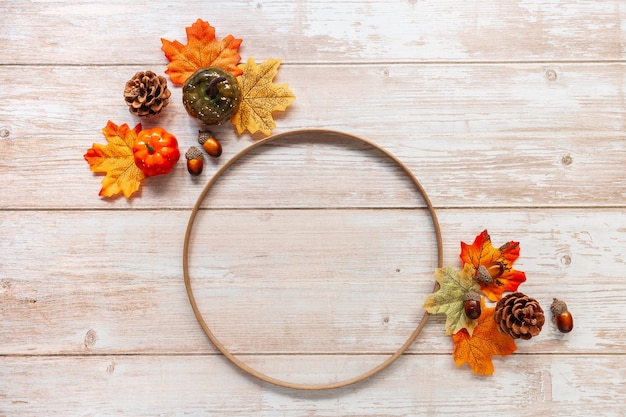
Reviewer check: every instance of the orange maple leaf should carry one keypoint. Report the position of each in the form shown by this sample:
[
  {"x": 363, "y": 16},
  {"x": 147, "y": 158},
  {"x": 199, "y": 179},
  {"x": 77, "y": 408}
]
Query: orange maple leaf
[
  {"x": 260, "y": 97},
  {"x": 116, "y": 160},
  {"x": 202, "y": 50},
  {"x": 499, "y": 263},
  {"x": 486, "y": 341}
]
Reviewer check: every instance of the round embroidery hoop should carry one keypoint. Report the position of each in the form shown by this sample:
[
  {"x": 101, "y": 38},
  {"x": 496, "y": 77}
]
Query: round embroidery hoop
[{"x": 302, "y": 135}]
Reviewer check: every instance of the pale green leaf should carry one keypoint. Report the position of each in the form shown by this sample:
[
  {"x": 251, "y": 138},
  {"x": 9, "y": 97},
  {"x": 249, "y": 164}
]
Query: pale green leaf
[{"x": 448, "y": 299}]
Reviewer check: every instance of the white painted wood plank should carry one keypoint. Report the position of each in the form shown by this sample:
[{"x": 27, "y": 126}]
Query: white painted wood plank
[
  {"x": 564, "y": 385},
  {"x": 442, "y": 101},
  {"x": 74, "y": 282},
  {"x": 510, "y": 113},
  {"x": 519, "y": 140},
  {"x": 113, "y": 32}
]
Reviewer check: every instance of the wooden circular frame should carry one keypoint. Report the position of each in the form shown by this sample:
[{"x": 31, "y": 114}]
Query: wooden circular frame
[{"x": 236, "y": 361}]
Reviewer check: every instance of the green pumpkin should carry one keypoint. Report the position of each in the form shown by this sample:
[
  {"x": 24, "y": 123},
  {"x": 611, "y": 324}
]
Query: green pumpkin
[{"x": 211, "y": 95}]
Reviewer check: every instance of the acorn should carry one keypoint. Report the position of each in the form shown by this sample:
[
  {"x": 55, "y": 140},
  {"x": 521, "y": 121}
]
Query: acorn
[
  {"x": 486, "y": 275},
  {"x": 195, "y": 160},
  {"x": 561, "y": 315},
  {"x": 483, "y": 275},
  {"x": 471, "y": 305},
  {"x": 211, "y": 145},
  {"x": 496, "y": 270}
]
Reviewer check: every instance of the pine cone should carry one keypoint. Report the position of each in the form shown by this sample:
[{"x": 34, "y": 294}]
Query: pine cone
[
  {"x": 519, "y": 316},
  {"x": 146, "y": 93}
]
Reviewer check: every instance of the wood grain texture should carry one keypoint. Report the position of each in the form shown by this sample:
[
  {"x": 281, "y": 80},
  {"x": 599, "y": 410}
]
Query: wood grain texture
[
  {"x": 312, "y": 259},
  {"x": 552, "y": 144},
  {"x": 320, "y": 31},
  {"x": 53, "y": 305},
  {"x": 159, "y": 385}
]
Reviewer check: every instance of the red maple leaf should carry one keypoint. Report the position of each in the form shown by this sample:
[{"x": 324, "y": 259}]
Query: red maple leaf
[{"x": 497, "y": 261}]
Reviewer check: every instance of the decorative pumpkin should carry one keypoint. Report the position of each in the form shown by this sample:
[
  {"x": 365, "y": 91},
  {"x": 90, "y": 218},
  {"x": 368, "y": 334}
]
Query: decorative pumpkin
[
  {"x": 211, "y": 95},
  {"x": 155, "y": 151}
]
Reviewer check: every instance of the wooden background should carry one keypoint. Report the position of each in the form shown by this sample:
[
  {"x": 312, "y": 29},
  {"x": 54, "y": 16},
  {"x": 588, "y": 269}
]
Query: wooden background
[{"x": 313, "y": 259}]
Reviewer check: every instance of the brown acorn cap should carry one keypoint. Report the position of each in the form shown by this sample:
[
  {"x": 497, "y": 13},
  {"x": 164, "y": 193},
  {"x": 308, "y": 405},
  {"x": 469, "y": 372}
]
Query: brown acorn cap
[
  {"x": 558, "y": 307},
  {"x": 194, "y": 153},
  {"x": 204, "y": 135},
  {"x": 483, "y": 275},
  {"x": 471, "y": 295}
]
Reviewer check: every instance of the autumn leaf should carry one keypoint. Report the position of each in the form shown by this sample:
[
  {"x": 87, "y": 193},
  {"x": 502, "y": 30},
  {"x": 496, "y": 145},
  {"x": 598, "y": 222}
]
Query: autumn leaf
[
  {"x": 478, "y": 349},
  {"x": 497, "y": 261},
  {"x": 448, "y": 299},
  {"x": 260, "y": 97},
  {"x": 202, "y": 50},
  {"x": 116, "y": 160}
]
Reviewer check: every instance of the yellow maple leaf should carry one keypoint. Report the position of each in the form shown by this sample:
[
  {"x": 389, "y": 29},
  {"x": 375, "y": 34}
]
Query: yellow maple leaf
[
  {"x": 260, "y": 97},
  {"x": 116, "y": 160},
  {"x": 201, "y": 51}
]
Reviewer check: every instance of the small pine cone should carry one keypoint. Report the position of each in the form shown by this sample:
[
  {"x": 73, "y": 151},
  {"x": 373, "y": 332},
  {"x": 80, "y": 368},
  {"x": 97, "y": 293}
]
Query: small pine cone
[
  {"x": 146, "y": 94},
  {"x": 519, "y": 316}
]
